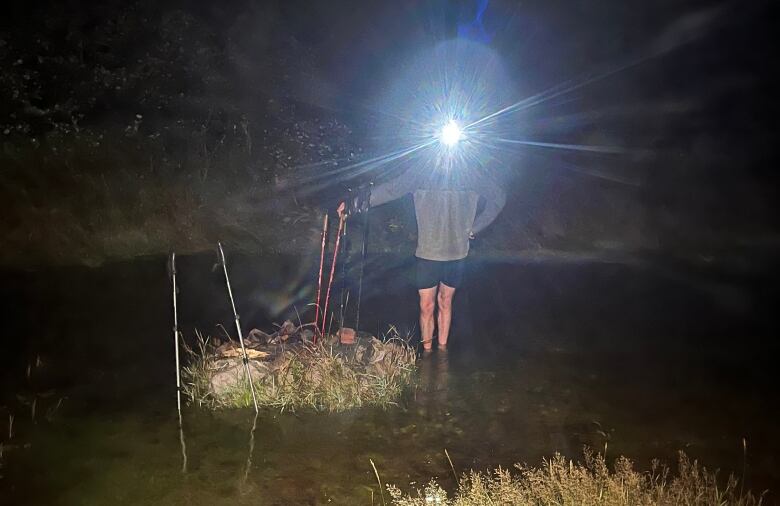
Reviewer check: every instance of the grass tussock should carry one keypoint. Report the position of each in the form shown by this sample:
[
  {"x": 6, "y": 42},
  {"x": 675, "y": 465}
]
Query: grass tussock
[
  {"x": 562, "y": 482},
  {"x": 325, "y": 376}
]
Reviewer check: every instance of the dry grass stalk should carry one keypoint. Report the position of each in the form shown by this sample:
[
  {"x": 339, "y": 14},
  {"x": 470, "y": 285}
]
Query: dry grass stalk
[
  {"x": 379, "y": 480},
  {"x": 562, "y": 482}
]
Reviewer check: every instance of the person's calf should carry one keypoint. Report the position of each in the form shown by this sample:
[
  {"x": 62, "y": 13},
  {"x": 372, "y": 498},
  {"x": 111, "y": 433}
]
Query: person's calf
[
  {"x": 427, "y": 321},
  {"x": 444, "y": 301}
]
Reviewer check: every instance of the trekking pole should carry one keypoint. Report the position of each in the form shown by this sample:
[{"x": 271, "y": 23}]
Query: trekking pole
[
  {"x": 176, "y": 334},
  {"x": 238, "y": 327},
  {"x": 319, "y": 275},
  {"x": 342, "y": 218},
  {"x": 178, "y": 367},
  {"x": 364, "y": 248},
  {"x": 346, "y": 253}
]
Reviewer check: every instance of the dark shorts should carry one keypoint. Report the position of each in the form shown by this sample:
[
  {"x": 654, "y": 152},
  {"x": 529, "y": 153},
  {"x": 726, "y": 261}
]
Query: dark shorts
[{"x": 430, "y": 273}]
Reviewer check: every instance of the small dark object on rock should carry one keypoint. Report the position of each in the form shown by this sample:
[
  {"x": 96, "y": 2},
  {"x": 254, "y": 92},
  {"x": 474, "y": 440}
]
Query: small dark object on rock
[{"x": 347, "y": 335}]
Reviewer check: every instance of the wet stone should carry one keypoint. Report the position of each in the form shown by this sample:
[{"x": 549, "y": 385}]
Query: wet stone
[{"x": 230, "y": 372}]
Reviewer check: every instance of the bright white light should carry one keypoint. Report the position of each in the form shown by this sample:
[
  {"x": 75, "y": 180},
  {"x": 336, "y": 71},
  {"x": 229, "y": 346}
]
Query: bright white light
[{"x": 450, "y": 134}]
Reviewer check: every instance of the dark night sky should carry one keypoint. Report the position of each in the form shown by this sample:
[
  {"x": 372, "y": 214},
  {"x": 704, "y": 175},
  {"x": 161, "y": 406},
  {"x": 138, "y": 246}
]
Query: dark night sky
[
  {"x": 698, "y": 88},
  {"x": 712, "y": 59},
  {"x": 688, "y": 83},
  {"x": 717, "y": 54}
]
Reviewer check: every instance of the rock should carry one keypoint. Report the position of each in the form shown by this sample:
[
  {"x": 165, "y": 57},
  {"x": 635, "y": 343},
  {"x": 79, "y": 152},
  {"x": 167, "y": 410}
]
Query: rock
[
  {"x": 281, "y": 361},
  {"x": 307, "y": 336},
  {"x": 331, "y": 339},
  {"x": 229, "y": 374},
  {"x": 287, "y": 329},
  {"x": 258, "y": 336},
  {"x": 222, "y": 348},
  {"x": 251, "y": 353},
  {"x": 232, "y": 349},
  {"x": 360, "y": 352},
  {"x": 378, "y": 351}
]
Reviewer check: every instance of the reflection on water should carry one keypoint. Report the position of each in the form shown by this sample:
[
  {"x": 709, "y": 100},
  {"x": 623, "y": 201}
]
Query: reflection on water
[
  {"x": 183, "y": 444},
  {"x": 555, "y": 358},
  {"x": 251, "y": 449},
  {"x": 431, "y": 394}
]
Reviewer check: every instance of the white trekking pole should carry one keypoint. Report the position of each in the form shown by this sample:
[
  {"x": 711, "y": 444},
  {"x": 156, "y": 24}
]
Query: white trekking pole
[
  {"x": 176, "y": 334},
  {"x": 238, "y": 327},
  {"x": 178, "y": 366}
]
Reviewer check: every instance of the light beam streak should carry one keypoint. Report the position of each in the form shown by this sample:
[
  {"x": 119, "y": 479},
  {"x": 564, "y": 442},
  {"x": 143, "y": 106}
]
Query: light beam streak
[
  {"x": 669, "y": 44},
  {"x": 569, "y": 147},
  {"x": 359, "y": 168}
]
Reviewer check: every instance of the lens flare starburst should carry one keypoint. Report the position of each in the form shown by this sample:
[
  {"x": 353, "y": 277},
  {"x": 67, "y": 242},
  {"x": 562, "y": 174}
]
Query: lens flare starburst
[
  {"x": 450, "y": 133},
  {"x": 452, "y": 114}
]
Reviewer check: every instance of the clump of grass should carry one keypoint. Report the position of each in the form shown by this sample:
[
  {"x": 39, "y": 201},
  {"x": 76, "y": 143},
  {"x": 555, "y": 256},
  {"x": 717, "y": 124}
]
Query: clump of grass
[
  {"x": 562, "y": 482},
  {"x": 195, "y": 376},
  {"x": 321, "y": 376}
]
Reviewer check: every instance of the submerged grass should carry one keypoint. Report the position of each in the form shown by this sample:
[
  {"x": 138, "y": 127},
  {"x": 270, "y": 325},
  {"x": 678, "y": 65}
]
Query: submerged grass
[
  {"x": 562, "y": 482},
  {"x": 321, "y": 376}
]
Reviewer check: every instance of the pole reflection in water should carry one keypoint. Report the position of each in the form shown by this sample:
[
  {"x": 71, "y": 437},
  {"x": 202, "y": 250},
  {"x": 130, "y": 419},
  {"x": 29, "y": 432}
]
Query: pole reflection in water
[
  {"x": 251, "y": 450},
  {"x": 183, "y": 446}
]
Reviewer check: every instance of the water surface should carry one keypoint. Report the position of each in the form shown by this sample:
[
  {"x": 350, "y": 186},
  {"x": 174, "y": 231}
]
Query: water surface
[{"x": 546, "y": 356}]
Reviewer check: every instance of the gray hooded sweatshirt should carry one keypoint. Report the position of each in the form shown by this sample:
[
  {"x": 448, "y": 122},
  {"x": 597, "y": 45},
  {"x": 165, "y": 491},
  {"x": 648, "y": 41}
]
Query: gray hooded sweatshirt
[{"x": 446, "y": 210}]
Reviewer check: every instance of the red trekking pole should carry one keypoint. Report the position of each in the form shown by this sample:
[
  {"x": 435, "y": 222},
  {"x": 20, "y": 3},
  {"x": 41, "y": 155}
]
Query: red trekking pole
[{"x": 342, "y": 218}]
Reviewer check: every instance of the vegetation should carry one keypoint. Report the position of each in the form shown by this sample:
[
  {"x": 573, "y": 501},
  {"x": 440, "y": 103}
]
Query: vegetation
[
  {"x": 138, "y": 127},
  {"x": 562, "y": 482},
  {"x": 324, "y": 376}
]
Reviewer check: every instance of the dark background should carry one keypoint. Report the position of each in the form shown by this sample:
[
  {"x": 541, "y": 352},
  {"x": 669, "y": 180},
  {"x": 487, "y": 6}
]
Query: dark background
[
  {"x": 137, "y": 127},
  {"x": 129, "y": 129}
]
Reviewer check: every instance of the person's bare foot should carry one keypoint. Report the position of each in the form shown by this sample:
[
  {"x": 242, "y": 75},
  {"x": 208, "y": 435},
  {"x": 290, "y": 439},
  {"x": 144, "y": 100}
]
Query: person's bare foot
[{"x": 427, "y": 346}]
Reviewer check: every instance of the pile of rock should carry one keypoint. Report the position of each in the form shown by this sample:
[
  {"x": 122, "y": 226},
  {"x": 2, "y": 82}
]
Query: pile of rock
[
  {"x": 291, "y": 358},
  {"x": 262, "y": 350}
]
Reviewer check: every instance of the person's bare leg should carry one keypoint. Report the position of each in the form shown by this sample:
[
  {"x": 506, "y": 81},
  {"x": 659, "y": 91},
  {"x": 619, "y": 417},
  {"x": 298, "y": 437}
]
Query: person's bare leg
[
  {"x": 427, "y": 306},
  {"x": 446, "y": 293}
]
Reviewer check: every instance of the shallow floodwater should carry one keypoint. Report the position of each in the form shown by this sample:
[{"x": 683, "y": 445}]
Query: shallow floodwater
[{"x": 546, "y": 356}]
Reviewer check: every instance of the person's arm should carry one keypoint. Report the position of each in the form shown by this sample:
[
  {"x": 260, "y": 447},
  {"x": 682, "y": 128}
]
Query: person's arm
[
  {"x": 495, "y": 198},
  {"x": 393, "y": 189}
]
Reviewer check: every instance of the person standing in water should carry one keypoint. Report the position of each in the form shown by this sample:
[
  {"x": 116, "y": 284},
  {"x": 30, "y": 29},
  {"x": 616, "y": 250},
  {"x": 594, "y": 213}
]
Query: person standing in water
[
  {"x": 446, "y": 208},
  {"x": 452, "y": 179}
]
